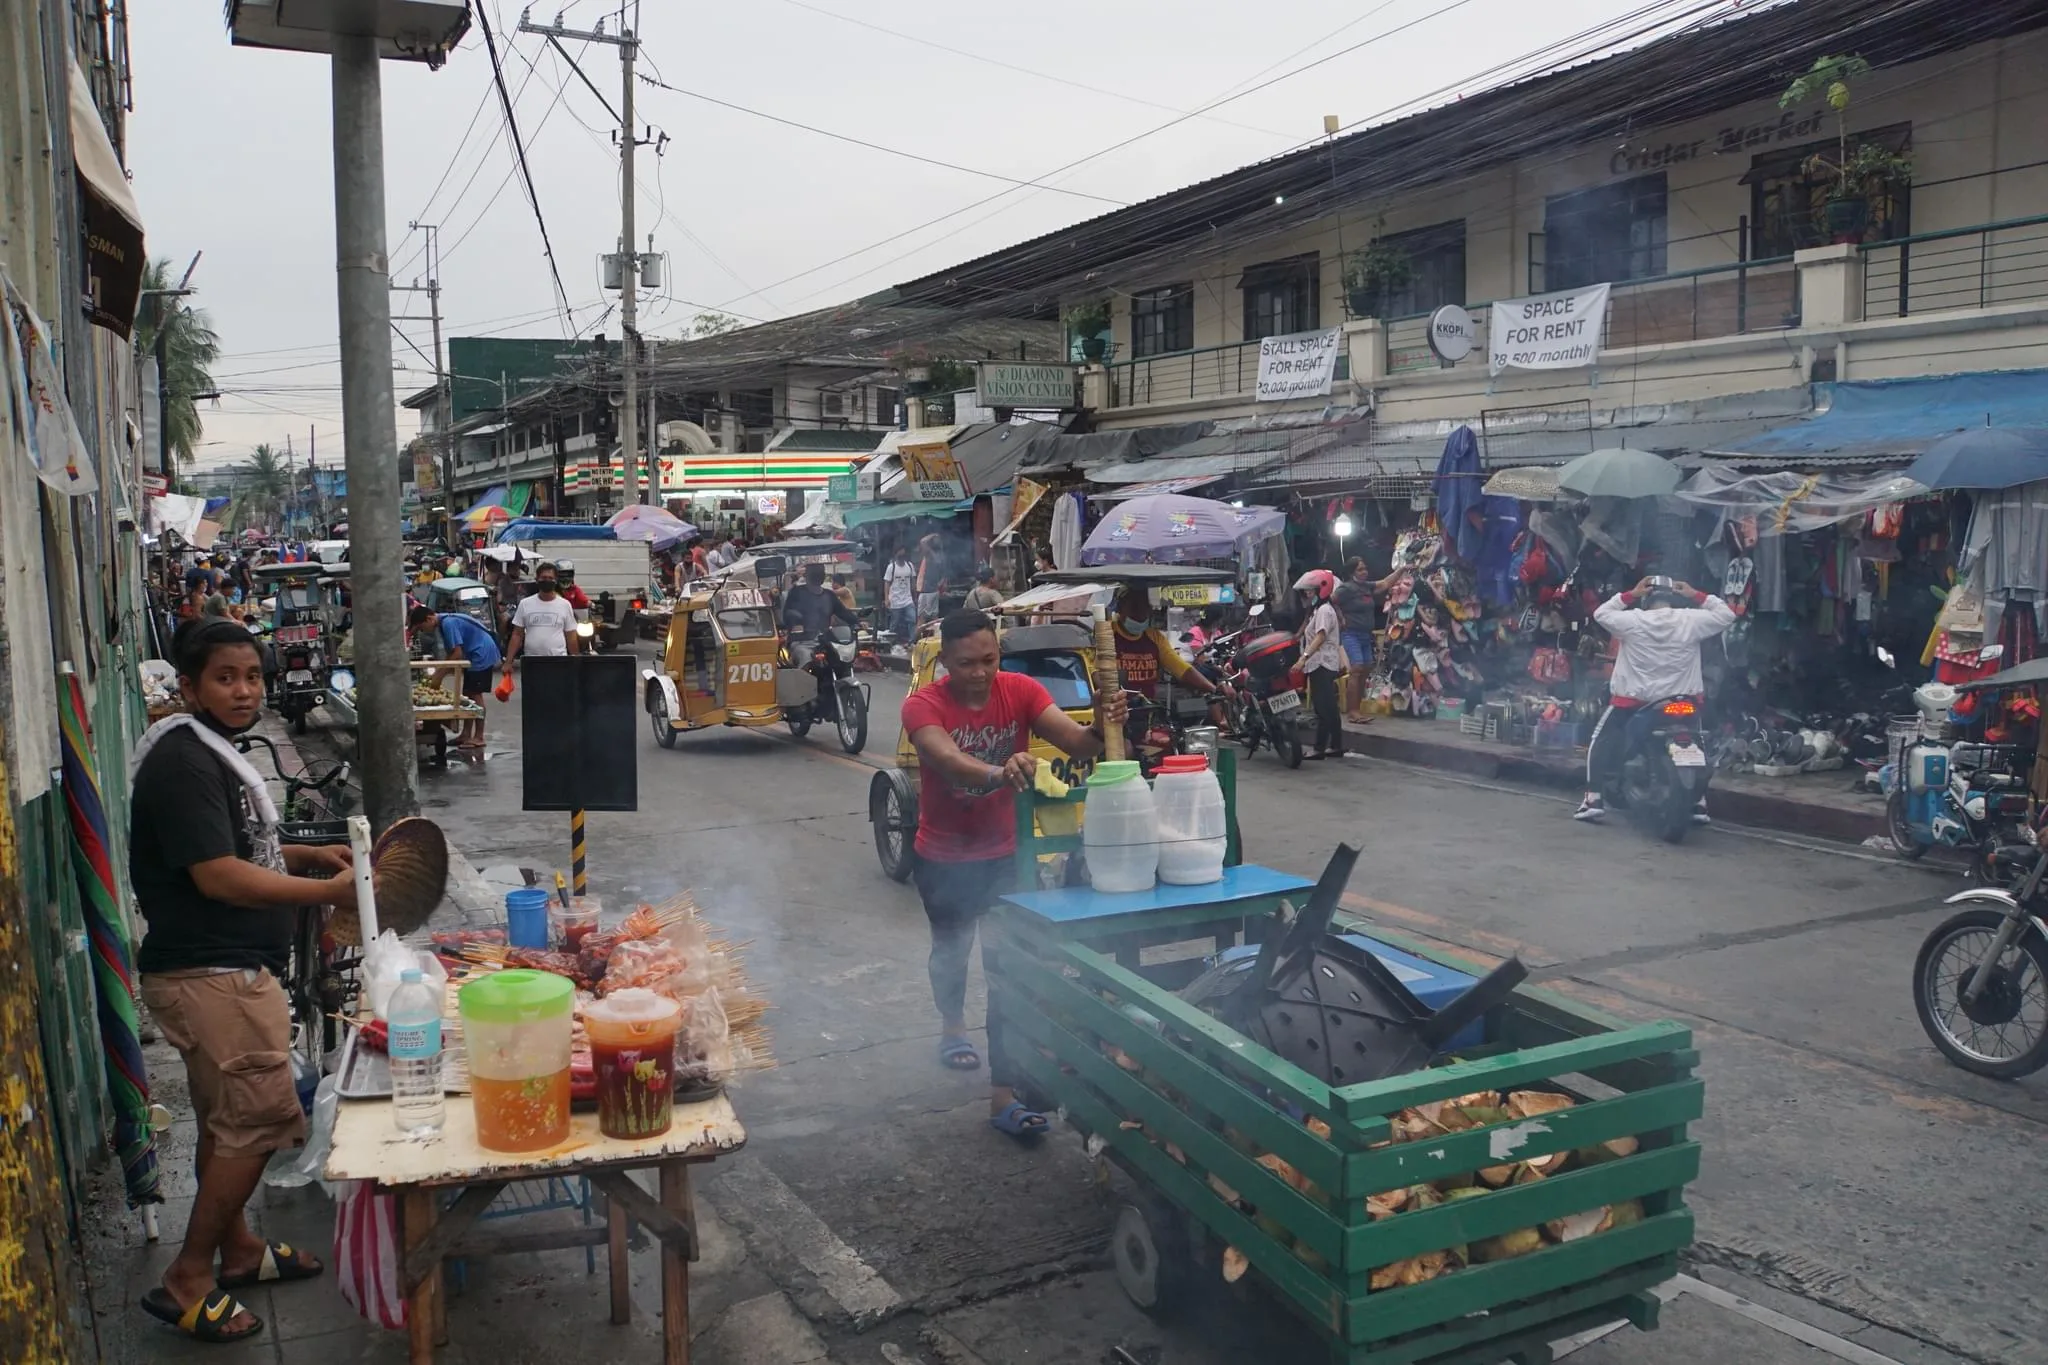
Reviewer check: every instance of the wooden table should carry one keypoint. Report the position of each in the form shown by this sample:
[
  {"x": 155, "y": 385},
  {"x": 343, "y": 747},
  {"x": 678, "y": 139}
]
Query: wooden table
[{"x": 368, "y": 1146}]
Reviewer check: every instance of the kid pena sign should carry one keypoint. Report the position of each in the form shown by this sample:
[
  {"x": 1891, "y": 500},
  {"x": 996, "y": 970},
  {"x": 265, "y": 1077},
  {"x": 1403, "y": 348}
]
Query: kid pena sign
[{"x": 1548, "y": 332}]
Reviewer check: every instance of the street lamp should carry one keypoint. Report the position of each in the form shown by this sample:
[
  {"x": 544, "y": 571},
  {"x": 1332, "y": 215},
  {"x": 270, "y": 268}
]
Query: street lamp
[
  {"x": 357, "y": 35},
  {"x": 1342, "y": 526}
]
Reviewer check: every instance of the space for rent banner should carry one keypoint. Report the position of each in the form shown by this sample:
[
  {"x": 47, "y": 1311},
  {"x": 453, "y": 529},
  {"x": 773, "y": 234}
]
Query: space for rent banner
[
  {"x": 1547, "y": 332},
  {"x": 1299, "y": 365}
]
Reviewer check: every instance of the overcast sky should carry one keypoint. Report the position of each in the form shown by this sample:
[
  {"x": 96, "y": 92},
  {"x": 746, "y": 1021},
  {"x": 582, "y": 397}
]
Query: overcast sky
[{"x": 230, "y": 152}]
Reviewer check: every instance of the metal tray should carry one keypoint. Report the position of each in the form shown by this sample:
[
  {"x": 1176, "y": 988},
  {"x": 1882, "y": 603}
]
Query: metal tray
[{"x": 364, "y": 1073}]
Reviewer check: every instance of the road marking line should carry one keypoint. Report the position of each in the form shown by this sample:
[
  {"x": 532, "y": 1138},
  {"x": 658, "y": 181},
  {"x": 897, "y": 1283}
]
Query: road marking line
[
  {"x": 1839, "y": 1347},
  {"x": 853, "y": 1284}
]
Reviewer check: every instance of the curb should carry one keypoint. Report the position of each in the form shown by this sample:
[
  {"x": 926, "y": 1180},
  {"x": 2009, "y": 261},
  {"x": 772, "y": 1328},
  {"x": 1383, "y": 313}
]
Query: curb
[{"x": 1752, "y": 808}]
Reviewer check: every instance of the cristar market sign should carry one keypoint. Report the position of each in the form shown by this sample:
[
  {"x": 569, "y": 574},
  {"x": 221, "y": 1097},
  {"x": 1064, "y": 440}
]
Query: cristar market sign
[{"x": 1547, "y": 332}]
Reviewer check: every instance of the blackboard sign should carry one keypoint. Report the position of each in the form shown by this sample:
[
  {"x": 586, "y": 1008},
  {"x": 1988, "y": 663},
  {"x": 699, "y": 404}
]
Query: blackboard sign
[{"x": 580, "y": 727}]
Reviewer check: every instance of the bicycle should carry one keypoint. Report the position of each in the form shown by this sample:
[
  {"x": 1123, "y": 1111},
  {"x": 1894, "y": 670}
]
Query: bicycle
[{"x": 318, "y": 984}]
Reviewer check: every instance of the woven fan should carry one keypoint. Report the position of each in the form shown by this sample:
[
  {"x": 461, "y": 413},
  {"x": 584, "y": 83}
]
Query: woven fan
[{"x": 409, "y": 869}]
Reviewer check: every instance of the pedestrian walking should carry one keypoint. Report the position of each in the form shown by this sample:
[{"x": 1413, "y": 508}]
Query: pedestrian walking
[
  {"x": 972, "y": 731},
  {"x": 899, "y": 583},
  {"x": 1322, "y": 659}
]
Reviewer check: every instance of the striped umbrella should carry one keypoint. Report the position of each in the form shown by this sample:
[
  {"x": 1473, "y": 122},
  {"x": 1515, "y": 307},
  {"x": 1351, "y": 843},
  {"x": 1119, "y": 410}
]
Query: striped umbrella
[{"x": 112, "y": 965}]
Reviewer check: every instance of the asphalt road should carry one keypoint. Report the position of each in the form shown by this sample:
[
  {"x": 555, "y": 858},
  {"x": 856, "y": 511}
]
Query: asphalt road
[{"x": 1846, "y": 1164}]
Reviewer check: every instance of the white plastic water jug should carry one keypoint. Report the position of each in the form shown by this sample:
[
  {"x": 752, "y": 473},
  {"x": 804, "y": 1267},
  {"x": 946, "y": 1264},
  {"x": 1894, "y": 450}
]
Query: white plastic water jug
[
  {"x": 1120, "y": 831},
  {"x": 1193, "y": 836}
]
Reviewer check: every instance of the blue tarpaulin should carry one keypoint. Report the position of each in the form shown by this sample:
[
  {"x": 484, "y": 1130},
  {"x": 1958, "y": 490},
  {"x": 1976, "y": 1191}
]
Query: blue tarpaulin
[
  {"x": 1892, "y": 420},
  {"x": 528, "y": 528}
]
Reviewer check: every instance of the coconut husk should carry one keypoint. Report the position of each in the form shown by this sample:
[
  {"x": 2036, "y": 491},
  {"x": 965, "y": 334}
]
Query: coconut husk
[
  {"x": 1223, "y": 1191},
  {"x": 1385, "y": 1204},
  {"x": 1573, "y": 1226},
  {"x": 1527, "y": 1104},
  {"x": 1235, "y": 1263},
  {"x": 1626, "y": 1214},
  {"x": 1508, "y": 1245},
  {"x": 1317, "y": 1126},
  {"x": 408, "y": 876},
  {"x": 1279, "y": 1166},
  {"x": 1480, "y": 1099},
  {"x": 1498, "y": 1176},
  {"x": 1548, "y": 1164}
]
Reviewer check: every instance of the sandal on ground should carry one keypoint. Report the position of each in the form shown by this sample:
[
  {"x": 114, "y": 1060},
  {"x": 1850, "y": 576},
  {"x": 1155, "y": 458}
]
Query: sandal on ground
[
  {"x": 281, "y": 1264},
  {"x": 957, "y": 1052},
  {"x": 1019, "y": 1122},
  {"x": 206, "y": 1320}
]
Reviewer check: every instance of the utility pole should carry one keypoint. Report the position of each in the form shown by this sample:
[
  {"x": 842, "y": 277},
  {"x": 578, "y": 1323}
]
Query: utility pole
[
  {"x": 444, "y": 397},
  {"x": 626, "y": 258},
  {"x": 384, "y": 733}
]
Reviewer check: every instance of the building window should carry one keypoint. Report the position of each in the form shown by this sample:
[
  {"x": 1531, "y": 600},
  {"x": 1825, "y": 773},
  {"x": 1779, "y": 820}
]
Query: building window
[
  {"x": 1163, "y": 321},
  {"x": 1435, "y": 257},
  {"x": 886, "y": 401},
  {"x": 1282, "y": 297},
  {"x": 1788, "y": 202},
  {"x": 1611, "y": 233}
]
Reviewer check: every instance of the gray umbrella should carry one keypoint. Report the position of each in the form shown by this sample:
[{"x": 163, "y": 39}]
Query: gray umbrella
[{"x": 1619, "y": 473}]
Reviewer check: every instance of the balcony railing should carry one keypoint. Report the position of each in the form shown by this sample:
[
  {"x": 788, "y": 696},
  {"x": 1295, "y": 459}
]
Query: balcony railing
[
  {"x": 1687, "y": 305},
  {"x": 1973, "y": 267},
  {"x": 1211, "y": 372}
]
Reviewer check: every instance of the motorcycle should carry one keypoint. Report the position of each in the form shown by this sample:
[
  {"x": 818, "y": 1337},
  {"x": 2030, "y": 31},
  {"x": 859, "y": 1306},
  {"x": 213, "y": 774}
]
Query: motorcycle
[
  {"x": 1263, "y": 683},
  {"x": 837, "y": 698},
  {"x": 1980, "y": 981},
  {"x": 1663, "y": 773},
  {"x": 1971, "y": 796}
]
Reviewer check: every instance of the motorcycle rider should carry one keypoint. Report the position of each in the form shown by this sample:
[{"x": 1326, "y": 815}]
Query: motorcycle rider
[
  {"x": 1660, "y": 625},
  {"x": 1143, "y": 652},
  {"x": 809, "y": 608}
]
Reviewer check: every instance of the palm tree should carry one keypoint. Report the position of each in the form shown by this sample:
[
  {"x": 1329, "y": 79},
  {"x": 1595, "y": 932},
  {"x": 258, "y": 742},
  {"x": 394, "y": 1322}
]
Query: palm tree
[
  {"x": 265, "y": 482},
  {"x": 190, "y": 348}
]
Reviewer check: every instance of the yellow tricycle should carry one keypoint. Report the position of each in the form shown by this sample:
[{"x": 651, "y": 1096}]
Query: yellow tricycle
[{"x": 719, "y": 663}]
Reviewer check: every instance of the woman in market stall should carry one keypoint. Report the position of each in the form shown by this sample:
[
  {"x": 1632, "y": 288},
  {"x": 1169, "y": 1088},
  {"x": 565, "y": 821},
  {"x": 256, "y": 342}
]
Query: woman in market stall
[{"x": 220, "y": 893}]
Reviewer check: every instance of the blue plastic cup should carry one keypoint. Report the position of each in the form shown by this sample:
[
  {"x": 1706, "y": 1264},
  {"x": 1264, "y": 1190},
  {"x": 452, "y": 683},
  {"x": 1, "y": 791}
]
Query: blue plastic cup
[{"x": 526, "y": 917}]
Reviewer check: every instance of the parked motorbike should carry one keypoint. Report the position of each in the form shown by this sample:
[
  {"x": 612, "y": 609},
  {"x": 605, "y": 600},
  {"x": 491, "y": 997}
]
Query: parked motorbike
[
  {"x": 1264, "y": 683},
  {"x": 1969, "y": 796},
  {"x": 838, "y": 698},
  {"x": 300, "y": 682},
  {"x": 1663, "y": 773},
  {"x": 1980, "y": 982}
]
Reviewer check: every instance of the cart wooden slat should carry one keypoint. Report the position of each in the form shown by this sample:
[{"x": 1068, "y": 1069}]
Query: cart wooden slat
[{"x": 368, "y": 1146}]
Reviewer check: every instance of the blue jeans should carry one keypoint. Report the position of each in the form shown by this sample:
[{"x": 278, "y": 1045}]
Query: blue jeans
[
  {"x": 1357, "y": 647},
  {"x": 903, "y": 621}
]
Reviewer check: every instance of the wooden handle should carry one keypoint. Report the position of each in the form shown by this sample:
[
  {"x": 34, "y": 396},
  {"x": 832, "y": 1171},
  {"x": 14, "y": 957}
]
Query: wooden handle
[{"x": 1108, "y": 678}]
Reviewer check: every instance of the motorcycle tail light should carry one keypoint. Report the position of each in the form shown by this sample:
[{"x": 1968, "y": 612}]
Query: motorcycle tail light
[
  {"x": 1679, "y": 708},
  {"x": 1681, "y": 736}
]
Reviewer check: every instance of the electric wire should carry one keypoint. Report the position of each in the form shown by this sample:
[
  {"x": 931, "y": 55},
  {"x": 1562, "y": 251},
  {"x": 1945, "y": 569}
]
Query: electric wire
[{"x": 526, "y": 172}]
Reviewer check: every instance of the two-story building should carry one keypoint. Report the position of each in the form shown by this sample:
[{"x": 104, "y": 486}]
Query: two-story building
[{"x": 1678, "y": 173}]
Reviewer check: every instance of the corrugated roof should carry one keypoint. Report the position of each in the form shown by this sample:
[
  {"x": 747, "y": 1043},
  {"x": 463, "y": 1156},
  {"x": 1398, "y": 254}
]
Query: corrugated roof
[
  {"x": 1889, "y": 421},
  {"x": 1695, "y": 73}
]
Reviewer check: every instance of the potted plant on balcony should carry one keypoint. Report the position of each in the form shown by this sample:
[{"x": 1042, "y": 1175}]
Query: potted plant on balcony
[
  {"x": 1374, "y": 273},
  {"x": 1856, "y": 178},
  {"x": 1088, "y": 321}
]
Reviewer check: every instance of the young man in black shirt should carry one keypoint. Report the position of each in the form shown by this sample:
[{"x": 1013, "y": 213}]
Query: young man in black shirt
[{"x": 220, "y": 893}]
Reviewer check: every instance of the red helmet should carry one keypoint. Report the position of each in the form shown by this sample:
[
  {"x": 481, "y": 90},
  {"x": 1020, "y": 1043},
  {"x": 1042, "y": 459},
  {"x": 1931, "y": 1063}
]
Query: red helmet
[{"x": 1321, "y": 582}]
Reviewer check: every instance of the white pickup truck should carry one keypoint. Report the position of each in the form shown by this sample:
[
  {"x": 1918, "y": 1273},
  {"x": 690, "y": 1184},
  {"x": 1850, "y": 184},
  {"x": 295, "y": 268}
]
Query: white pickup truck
[{"x": 612, "y": 573}]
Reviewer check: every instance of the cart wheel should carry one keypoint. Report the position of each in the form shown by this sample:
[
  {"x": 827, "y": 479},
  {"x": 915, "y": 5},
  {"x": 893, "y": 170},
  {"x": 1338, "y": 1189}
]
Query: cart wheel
[
  {"x": 892, "y": 810},
  {"x": 1150, "y": 1252},
  {"x": 658, "y": 720}
]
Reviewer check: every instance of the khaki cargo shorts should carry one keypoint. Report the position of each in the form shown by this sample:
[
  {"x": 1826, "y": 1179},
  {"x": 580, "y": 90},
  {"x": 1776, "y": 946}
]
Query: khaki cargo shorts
[{"x": 234, "y": 1031}]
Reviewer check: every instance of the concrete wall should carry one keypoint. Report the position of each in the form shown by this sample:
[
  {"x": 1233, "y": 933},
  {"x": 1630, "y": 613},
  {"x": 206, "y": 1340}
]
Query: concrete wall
[{"x": 1980, "y": 151}]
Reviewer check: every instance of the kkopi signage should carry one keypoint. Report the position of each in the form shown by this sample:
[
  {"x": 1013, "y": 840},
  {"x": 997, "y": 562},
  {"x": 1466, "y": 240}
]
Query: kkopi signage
[{"x": 1547, "y": 332}]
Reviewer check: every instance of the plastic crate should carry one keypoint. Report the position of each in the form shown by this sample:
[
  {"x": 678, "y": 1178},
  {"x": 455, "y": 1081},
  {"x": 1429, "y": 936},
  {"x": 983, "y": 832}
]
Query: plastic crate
[
  {"x": 1471, "y": 723},
  {"x": 1220, "y": 1129}
]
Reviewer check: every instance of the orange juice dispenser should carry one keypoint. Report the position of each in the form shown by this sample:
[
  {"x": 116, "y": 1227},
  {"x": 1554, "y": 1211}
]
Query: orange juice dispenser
[
  {"x": 517, "y": 1031},
  {"x": 633, "y": 1053}
]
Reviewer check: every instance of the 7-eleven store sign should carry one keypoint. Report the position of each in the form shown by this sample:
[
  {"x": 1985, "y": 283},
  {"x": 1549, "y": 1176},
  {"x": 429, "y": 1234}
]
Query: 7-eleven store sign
[{"x": 599, "y": 476}]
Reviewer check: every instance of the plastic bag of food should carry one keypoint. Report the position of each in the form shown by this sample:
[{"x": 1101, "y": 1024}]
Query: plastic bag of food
[
  {"x": 640, "y": 962},
  {"x": 703, "y": 1045},
  {"x": 385, "y": 959}
]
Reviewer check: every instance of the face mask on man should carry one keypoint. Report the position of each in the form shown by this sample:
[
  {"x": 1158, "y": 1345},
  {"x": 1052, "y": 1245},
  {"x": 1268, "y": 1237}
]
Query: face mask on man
[{"x": 548, "y": 587}]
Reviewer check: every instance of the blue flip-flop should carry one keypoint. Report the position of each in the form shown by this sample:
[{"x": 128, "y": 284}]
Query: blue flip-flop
[
  {"x": 1019, "y": 1122},
  {"x": 957, "y": 1051}
]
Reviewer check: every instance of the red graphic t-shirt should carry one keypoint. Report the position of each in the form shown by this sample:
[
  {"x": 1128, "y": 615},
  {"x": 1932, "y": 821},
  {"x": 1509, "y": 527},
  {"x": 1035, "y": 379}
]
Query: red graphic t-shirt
[{"x": 958, "y": 824}]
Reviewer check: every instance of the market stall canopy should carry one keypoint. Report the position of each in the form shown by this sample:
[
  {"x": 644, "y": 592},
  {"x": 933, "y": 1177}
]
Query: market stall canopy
[
  {"x": 1090, "y": 450},
  {"x": 1150, "y": 575},
  {"x": 988, "y": 454},
  {"x": 494, "y": 496},
  {"x": 1890, "y": 421},
  {"x": 115, "y": 256},
  {"x": 1527, "y": 483},
  {"x": 1619, "y": 473},
  {"x": 1051, "y": 597},
  {"x": 657, "y": 526},
  {"x": 867, "y": 513},
  {"x": 528, "y": 528},
  {"x": 2032, "y": 673},
  {"x": 1984, "y": 457},
  {"x": 505, "y": 554},
  {"x": 819, "y": 514},
  {"x": 1783, "y": 500},
  {"x": 1171, "y": 528}
]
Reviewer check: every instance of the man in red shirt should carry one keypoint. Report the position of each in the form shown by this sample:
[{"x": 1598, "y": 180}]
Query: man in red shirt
[{"x": 972, "y": 730}]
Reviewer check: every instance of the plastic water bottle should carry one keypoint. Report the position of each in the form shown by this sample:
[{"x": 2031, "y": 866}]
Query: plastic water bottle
[{"x": 414, "y": 1018}]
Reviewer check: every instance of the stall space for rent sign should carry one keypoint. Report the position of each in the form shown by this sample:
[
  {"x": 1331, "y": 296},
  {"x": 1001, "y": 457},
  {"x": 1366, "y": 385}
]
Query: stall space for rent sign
[
  {"x": 1299, "y": 365},
  {"x": 1547, "y": 332}
]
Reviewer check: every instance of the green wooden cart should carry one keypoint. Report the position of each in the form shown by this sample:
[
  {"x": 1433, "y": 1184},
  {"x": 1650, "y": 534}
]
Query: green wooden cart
[{"x": 1235, "y": 1148}]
